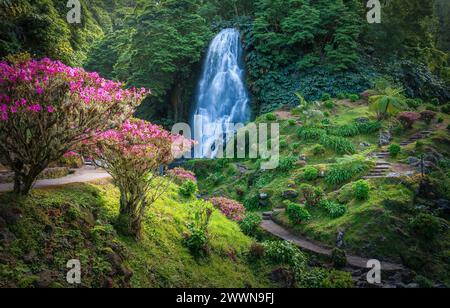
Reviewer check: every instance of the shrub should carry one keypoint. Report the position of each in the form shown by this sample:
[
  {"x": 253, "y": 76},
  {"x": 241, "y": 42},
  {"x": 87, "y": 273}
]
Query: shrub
[
  {"x": 310, "y": 133},
  {"x": 441, "y": 120},
  {"x": 432, "y": 108},
  {"x": 287, "y": 163},
  {"x": 180, "y": 175},
  {"x": 413, "y": 103},
  {"x": 344, "y": 172},
  {"x": 283, "y": 144},
  {"x": 318, "y": 149},
  {"x": 348, "y": 130},
  {"x": 408, "y": 118},
  {"x": 197, "y": 240},
  {"x": 326, "y": 97},
  {"x": 394, "y": 150},
  {"x": 339, "y": 258},
  {"x": 271, "y": 117},
  {"x": 71, "y": 160},
  {"x": 426, "y": 226},
  {"x": 427, "y": 116},
  {"x": 339, "y": 144},
  {"x": 361, "y": 190},
  {"x": 341, "y": 96},
  {"x": 296, "y": 146},
  {"x": 445, "y": 109},
  {"x": 285, "y": 253},
  {"x": 310, "y": 173},
  {"x": 312, "y": 194},
  {"x": 338, "y": 280},
  {"x": 297, "y": 213},
  {"x": 314, "y": 278},
  {"x": 230, "y": 208},
  {"x": 329, "y": 104},
  {"x": 251, "y": 202},
  {"x": 353, "y": 97},
  {"x": 370, "y": 127},
  {"x": 292, "y": 122},
  {"x": 334, "y": 210},
  {"x": 188, "y": 188},
  {"x": 424, "y": 282},
  {"x": 250, "y": 224}
]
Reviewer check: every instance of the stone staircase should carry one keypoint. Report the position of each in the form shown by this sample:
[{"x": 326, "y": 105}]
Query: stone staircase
[
  {"x": 422, "y": 135},
  {"x": 381, "y": 169}
]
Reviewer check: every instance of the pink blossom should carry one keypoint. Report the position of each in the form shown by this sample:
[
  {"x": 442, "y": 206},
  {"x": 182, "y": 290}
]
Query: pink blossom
[
  {"x": 35, "y": 108},
  {"x": 50, "y": 109}
]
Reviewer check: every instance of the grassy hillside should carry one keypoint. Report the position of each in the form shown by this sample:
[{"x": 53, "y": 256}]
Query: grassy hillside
[
  {"x": 381, "y": 226},
  {"x": 41, "y": 233}
]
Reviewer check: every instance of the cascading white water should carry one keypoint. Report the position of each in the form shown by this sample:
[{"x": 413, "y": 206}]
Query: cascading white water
[{"x": 222, "y": 97}]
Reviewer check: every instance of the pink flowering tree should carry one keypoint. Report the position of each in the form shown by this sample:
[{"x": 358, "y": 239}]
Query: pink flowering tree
[
  {"x": 181, "y": 175},
  {"x": 47, "y": 107},
  {"x": 134, "y": 155}
]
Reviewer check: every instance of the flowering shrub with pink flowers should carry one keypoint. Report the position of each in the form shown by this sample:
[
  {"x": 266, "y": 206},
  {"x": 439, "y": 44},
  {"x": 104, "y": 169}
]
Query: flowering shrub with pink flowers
[
  {"x": 133, "y": 154},
  {"x": 230, "y": 208},
  {"x": 47, "y": 107},
  {"x": 181, "y": 175}
]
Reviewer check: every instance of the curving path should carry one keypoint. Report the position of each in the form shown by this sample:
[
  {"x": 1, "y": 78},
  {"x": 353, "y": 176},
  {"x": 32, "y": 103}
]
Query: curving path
[
  {"x": 83, "y": 175},
  {"x": 354, "y": 261}
]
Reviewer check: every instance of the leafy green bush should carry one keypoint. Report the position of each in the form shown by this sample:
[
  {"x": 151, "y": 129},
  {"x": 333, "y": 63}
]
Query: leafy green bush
[
  {"x": 334, "y": 209},
  {"x": 296, "y": 146},
  {"x": 326, "y": 97},
  {"x": 348, "y": 130},
  {"x": 426, "y": 226},
  {"x": 344, "y": 172},
  {"x": 445, "y": 109},
  {"x": 287, "y": 163},
  {"x": 339, "y": 258},
  {"x": 310, "y": 133},
  {"x": 424, "y": 282},
  {"x": 197, "y": 240},
  {"x": 394, "y": 150},
  {"x": 338, "y": 280},
  {"x": 339, "y": 144},
  {"x": 286, "y": 253},
  {"x": 341, "y": 96},
  {"x": 361, "y": 190},
  {"x": 297, "y": 213},
  {"x": 283, "y": 144},
  {"x": 250, "y": 224},
  {"x": 310, "y": 173},
  {"x": 251, "y": 202},
  {"x": 188, "y": 188},
  {"x": 312, "y": 194},
  {"x": 318, "y": 149},
  {"x": 292, "y": 122},
  {"x": 271, "y": 117},
  {"x": 329, "y": 104},
  {"x": 353, "y": 97},
  {"x": 369, "y": 127}
]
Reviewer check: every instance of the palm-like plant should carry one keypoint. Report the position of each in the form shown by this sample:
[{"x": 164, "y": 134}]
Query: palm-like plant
[{"x": 389, "y": 102}]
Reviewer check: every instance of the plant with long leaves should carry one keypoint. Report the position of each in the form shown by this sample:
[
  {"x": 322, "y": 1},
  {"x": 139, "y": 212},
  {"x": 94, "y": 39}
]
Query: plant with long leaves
[{"x": 388, "y": 103}]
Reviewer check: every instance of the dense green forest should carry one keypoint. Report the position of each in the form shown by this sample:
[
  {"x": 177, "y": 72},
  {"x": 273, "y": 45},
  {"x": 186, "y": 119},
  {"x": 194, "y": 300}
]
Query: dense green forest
[{"x": 307, "y": 46}]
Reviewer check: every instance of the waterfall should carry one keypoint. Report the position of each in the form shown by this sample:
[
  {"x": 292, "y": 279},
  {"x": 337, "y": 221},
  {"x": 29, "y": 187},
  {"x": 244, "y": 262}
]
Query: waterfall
[{"x": 222, "y": 98}]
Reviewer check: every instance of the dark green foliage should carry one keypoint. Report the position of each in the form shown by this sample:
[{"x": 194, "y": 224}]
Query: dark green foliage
[
  {"x": 339, "y": 258},
  {"x": 310, "y": 173},
  {"x": 297, "y": 214},
  {"x": 285, "y": 253},
  {"x": 426, "y": 226},
  {"x": 355, "y": 129},
  {"x": 251, "y": 202},
  {"x": 329, "y": 104},
  {"x": 338, "y": 144},
  {"x": 353, "y": 97},
  {"x": 188, "y": 188},
  {"x": 249, "y": 225},
  {"x": 345, "y": 172},
  {"x": 271, "y": 117},
  {"x": 361, "y": 190},
  {"x": 287, "y": 163},
  {"x": 197, "y": 241},
  {"x": 326, "y": 97},
  {"x": 318, "y": 149},
  {"x": 334, "y": 209},
  {"x": 369, "y": 127},
  {"x": 394, "y": 150},
  {"x": 310, "y": 134}
]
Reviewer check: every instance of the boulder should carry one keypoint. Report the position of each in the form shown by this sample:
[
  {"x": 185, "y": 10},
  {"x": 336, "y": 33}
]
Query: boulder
[
  {"x": 290, "y": 194},
  {"x": 263, "y": 196},
  {"x": 385, "y": 138}
]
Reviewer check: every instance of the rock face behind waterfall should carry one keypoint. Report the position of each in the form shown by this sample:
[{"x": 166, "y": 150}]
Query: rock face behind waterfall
[{"x": 222, "y": 98}]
